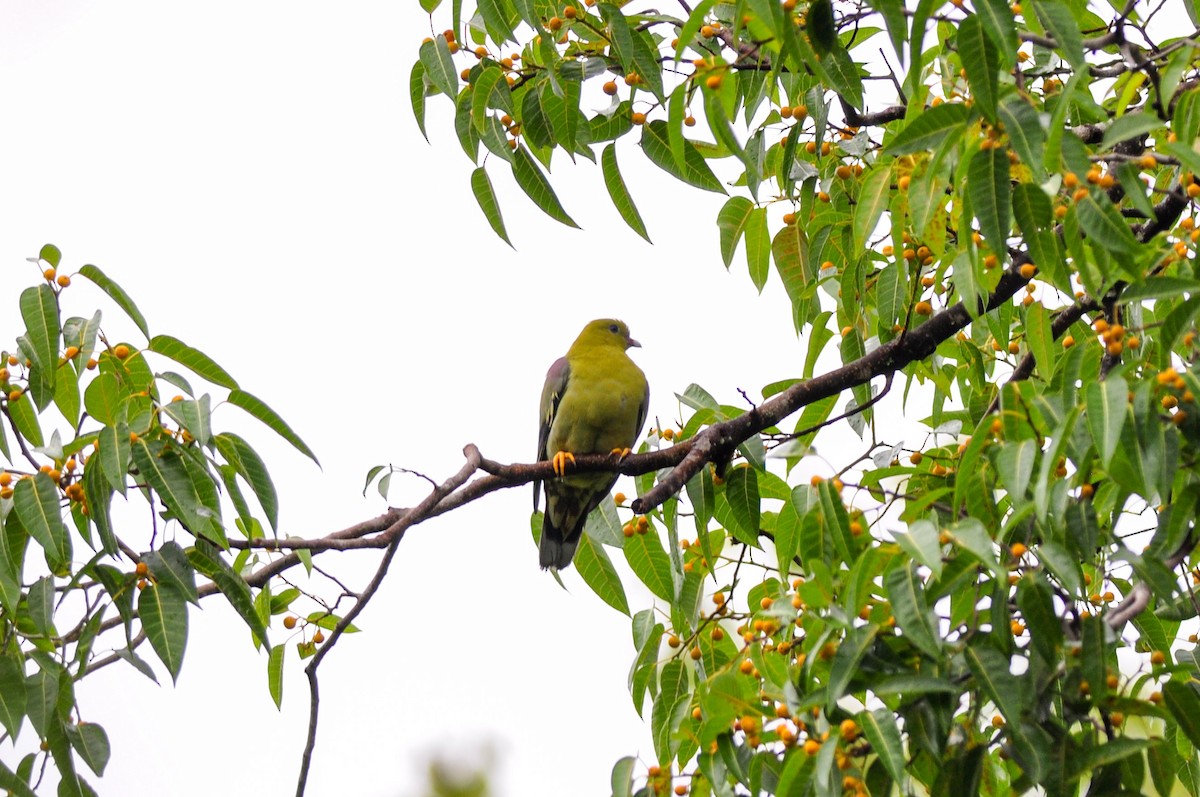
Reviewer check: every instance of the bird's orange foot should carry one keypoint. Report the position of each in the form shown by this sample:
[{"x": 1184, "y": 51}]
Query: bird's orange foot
[
  {"x": 560, "y": 460},
  {"x": 621, "y": 453}
]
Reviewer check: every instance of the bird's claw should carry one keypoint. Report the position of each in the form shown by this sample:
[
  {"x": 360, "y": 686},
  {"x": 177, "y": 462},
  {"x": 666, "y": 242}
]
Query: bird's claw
[
  {"x": 621, "y": 453},
  {"x": 559, "y": 462}
]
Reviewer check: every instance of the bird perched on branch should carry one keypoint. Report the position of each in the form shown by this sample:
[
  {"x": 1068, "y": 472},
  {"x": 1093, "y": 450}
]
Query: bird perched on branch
[{"x": 594, "y": 402}]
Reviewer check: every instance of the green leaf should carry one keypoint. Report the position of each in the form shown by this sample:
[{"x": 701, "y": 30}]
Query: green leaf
[
  {"x": 91, "y": 743},
  {"x": 1103, "y": 224},
  {"x": 622, "y": 777},
  {"x": 872, "y": 201},
  {"x": 929, "y": 128},
  {"x": 24, "y": 418},
  {"x": 41, "y": 696},
  {"x": 535, "y": 185},
  {"x": 51, "y": 254},
  {"x": 439, "y": 65},
  {"x": 907, "y": 595},
  {"x": 1107, "y": 405},
  {"x": 255, "y": 406},
  {"x": 846, "y": 661},
  {"x": 982, "y": 62},
  {"x": 99, "y": 495},
  {"x": 1001, "y": 26},
  {"x": 879, "y": 726},
  {"x": 200, "y": 363},
  {"x": 12, "y": 693},
  {"x": 597, "y": 571},
  {"x": 481, "y": 186},
  {"x": 36, "y": 504},
  {"x": 1033, "y": 212},
  {"x": 207, "y": 559},
  {"x": 1129, "y": 126},
  {"x": 1182, "y": 699},
  {"x": 496, "y": 19},
  {"x": 732, "y": 221},
  {"x": 1025, "y": 134},
  {"x": 163, "y": 613},
  {"x": 251, "y": 467},
  {"x": 844, "y": 76},
  {"x": 1057, "y": 18},
  {"x": 820, "y": 26},
  {"x": 117, "y": 294},
  {"x": 990, "y": 191},
  {"x": 693, "y": 171},
  {"x": 741, "y": 491},
  {"x": 650, "y": 563},
  {"x": 39, "y": 311},
  {"x": 758, "y": 248},
  {"x": 416, "y": 94},
  {"x": 170, "y": 566},
  {"x": 275, "y": 674},
  {"x": 619, "y": 193},
  {"x": 992, "y": 672},
  {"x": 165, "y": 472},
  {"x": 922, "y": 543},
  {"x": 1014, "y": 463}
]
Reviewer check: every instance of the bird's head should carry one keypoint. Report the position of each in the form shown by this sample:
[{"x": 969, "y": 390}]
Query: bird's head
[{"x": 606, "y": 332}]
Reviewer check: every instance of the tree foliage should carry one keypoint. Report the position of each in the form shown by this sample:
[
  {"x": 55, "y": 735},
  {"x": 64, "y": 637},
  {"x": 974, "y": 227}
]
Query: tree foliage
[
  {"x": 991, "y": 206},
  {"x": 983, "y": 217}
]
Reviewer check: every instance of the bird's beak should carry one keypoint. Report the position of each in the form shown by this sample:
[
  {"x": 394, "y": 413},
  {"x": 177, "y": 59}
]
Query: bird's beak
[{"x": 630, "y": 342}]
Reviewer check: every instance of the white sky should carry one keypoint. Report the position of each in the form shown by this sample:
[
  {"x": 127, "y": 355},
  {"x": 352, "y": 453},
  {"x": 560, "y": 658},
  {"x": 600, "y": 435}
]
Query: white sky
[{"x": 252, "y": 175}]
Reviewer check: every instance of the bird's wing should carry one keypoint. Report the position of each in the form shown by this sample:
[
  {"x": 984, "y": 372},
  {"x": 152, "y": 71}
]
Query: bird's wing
[
  {"x": 642, "y": 411},
  {"x": 552, "y": 393}
]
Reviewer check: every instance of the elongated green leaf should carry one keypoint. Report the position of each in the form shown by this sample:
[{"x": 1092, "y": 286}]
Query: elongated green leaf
[
  {"x": 846, "y": 661},
  {"x": 872, "y": 201},
  {"x": 481, "y": 186},
  {"x": 12, "y": 694},
  {"x": 535, "y": 185},
  {"x": 758, "y": 247},
  {"x": 990, "y": 191},
  {"x": 1103, "y": 224},
  {"x": 843, "y": 75},
  {"x": 416, "y": 94},
  {"x": 732, "y": 221},
  {"x": 164, "y": 471},
  {"x": 650, "y": 563},
  {"x": 1059, "y": 21},
  {"x": 99, "y": 496},
  {"x": 981, "y": 61},
  {"x": 597, "y": 571},
  {"x": 275, "y": 674},
  {"x": 999, "y": 24},
  {"x": 994, "y": 676},
  {"x": 256, "y": 407},
  {"x": 163, "y": 613},
  {"x": 1024, "y": 128},
  {"x": 694, "y": 171},
  {"x": 879, "y": 726},
  {"x": 1129, "y": 126},
  {"x": 619, "y": 193},
  {"x": 1182, "y": 699},
  {"x": 923, "y": 545},
  {"x": 51, "y": 254},
  {"x": 208, "y": 560},
  {"x": 199, "y": 362},
  {"x": 170, "y": 566},
  {"x": 41, "y": 697},
  {"x": 36, "y": 504},
  {"x": 117, "y": 294},
  {"x": 497, "y": 20},
  {"x": 39, "y": 311},
  {"x": 928, "y": 129},
  {"x": 439, "y": 65},
  {"x": 1107, "y": 404},
  {"x": 911, "y": 610},
  {"x": 741, "y": 491},
  {"x": 253, "y": 469}
]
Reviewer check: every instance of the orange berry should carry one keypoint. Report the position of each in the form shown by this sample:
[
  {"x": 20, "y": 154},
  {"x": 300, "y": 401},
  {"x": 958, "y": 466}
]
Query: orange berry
[
  {"x": 689, "y": 121},
  {"x": 289, "y": 622},
  {"x": 318, "y": 637},
  {"x": 695, "y": 653},
  {"x": 142, "y": 569},
  {"x": 844, "y": 172},
  {"x": 713, "y": 82},
  {"x": 71, "y": 352},
  {"x": 822, "y": 196},
  {"x": 707, "y": 31},
  {"x": 610, "y": 88},
  {"x": 746, "y": 667},
  {"x": 1028, "y": 270},
  {"x": 1018, "y": 549},
  {"x": 555, "y": 23},
  {"x": 121, "y": 351},
  {"x": 812, "y": 747},
  {"x": 569, "y": 12},
  {"x": 63, "y": 281},
  {"x": 1158, "y": 657},
  {"x": 638, "y": 118},
  {"x": 923, "y": 308}
]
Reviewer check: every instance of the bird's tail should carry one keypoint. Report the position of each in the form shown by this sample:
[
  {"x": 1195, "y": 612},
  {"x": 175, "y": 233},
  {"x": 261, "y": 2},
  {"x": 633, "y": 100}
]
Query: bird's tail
[{"x": 555, "y": 549}]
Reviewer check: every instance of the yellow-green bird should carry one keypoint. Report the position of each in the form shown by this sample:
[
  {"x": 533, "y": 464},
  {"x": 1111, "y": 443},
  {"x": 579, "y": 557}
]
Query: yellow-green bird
[{"x": 594, "y": 402}]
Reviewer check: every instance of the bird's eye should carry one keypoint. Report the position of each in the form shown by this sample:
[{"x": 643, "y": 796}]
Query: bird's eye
[{"x": 613, "y": 328}]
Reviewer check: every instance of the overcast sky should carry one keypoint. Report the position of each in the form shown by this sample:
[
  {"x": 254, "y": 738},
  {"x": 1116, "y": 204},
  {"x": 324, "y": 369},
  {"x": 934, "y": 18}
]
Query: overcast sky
[{"x": 252, "y": 175}]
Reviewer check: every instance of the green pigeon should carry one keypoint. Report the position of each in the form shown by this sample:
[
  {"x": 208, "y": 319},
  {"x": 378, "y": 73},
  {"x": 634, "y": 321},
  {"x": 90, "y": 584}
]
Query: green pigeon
[{"x": 594, "y": 402}]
